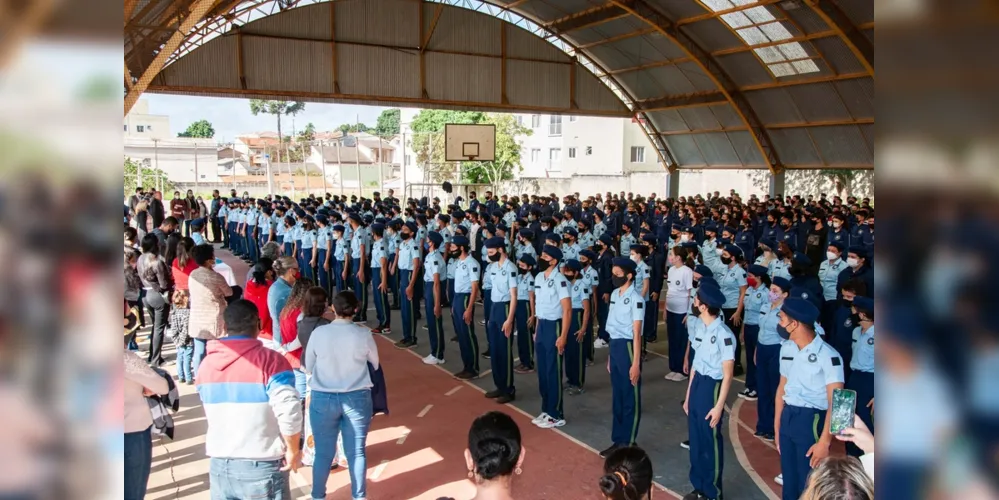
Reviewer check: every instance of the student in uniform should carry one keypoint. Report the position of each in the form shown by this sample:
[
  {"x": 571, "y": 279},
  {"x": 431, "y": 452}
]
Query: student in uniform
[
  {"x": 308, "y": 253},
  {"x": 829, "y": 271},
  {"x": 733, "y": 283},
  {"x": 434, "y": 272},
  {"x": 358, "y": 265},
  {"x": 380, "y": 279},
  {"x": 466, "y": 291},
  {"x": 592, "y": 279},
  {"x": 570, "y": 250},
  {"x": 627, "y": 239},
  {"x": 503, "y": 277},
  {"x": 605, "y": 256},
  {"x": 710, "y": 380},
  {"x": 525, "y": 311},
  {"x": 624, "y": 325},
  {"x": 289, "y": 239},
  {"x": 810, "y": 370},
  {"x": 553, "y": 308},
  {"x": 861, "y": 378},
  {"x": 324, "y": 254},
  {"x": 392, "y": 235},
  {"x": 656, "y": 263},
  {"x": 575, "y": 350},
  {"x": 340, "y": 264},
  {"x": 679, "y": 284},
  {"x": 858, "y": 268},
  {"x": 408, "y": 265},
  {"x": 757, "y": 294},
  {"x": 768, "y": 357}
]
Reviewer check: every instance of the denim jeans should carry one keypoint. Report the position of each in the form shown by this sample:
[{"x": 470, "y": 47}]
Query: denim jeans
[
  {"x": 185, "y": 356},
  {"x": 200, "y": 350},
  {"x": 301, "y": 384},
  {"x": 242, "y": 479},
  {"x": 138, "y": 460},
  {"x": 331, "y": 414}
]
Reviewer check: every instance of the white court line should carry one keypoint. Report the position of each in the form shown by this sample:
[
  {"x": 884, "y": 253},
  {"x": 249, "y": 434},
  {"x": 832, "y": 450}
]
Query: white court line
[
  {"x": 379, "y": 470},
  {"x": 452, "y": 392},
  {"x": 740, "y": 452},
  {"x": 402, "y": 440},
  {"x": 425, "y": 411}
]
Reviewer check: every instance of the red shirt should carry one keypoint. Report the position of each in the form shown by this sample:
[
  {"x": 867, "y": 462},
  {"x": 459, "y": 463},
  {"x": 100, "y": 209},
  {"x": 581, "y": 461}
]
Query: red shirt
[
  {"x": 289, "y": 332},
  {"x": 180, "y": 276},
  {"x": 258, "y": 295}
]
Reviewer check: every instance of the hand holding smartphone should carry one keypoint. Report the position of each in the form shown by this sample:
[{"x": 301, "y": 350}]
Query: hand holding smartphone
[{"x": 844, "y": 407}]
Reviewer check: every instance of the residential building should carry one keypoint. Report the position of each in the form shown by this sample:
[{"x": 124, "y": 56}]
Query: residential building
[
  {"x": 139, "y": 123},
  {"x": 184, "y": 161}
]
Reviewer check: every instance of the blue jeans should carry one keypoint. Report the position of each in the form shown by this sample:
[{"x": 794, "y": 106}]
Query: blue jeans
[
  {"x": 200, "y": 350},
  {"x": 241, "y": 479},
  {"x": 138, "y": 460},
  {"x": 301, "y": 384},
  {"x": 185, "y": 357},
  {"x": 331, "y": 414}
]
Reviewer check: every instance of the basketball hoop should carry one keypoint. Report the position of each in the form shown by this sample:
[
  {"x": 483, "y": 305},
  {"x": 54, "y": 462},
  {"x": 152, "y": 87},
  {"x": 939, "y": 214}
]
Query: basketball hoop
[
  {"x": 470, "y": 150},
  {"x": 470, "y": 142}
]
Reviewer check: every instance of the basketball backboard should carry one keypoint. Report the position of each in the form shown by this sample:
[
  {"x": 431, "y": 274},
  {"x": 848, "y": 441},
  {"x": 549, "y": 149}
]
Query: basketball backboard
[{"x": 470, "y": 142}]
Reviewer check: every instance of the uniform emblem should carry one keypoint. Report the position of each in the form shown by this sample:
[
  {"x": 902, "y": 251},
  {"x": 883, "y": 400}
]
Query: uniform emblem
[
  {"x": 759, "y": 295},
  {"x": 744, "y": 275},
  {"x": 848, "y": 323},
  {"x": 677, "y": 282},
  {"x": 464, "y": 267},
  {"x": 804, "y": 295},
  {"x": 870, "y": 341},
  {"x": 812, "y": 358},
  {"x": 551, "y": 283},
  {"x": 627, "y": 301},
  {"x": 504, "y": 273},
  {"x": 714, "y": 339}
]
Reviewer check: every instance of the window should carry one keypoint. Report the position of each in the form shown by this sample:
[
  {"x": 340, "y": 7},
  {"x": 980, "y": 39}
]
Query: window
[
  {"x": 555, "y": 126},
  {"x": 572, "y": 119},
  {"x": 757, "y": 26},
  {"x": 149, "y": 128},
  {"x": 520, "y": 120},
  {"x": 535, "y": 155},
  {"x": 126, "y": 127},
  {"x": 572, "y": 152},
  {"x": 140, "y": 128},
  {"x": 535, "y": 121},
  {"x": 409, "y": 159},
  {"x": 202, "y": 176},
  {"x": 555, "y": 154},
  {"x": 589, "y": 150},
  {"x": 638, "y": 154}
]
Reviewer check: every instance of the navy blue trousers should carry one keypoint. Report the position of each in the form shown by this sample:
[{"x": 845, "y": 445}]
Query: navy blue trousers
[
  {"x": 549, "y": 367},
  {"x": 750, "y": 334},
  {"x": 799, "y": 431},
  {"x": 305, "y": 263},
  {"x": 525, "y": 335},
  {"x": 863, "y": 383},
  {"x": 501, "y": 353},
  {"x": 603, "y": 309},
  {"x": 359, "y": 285},
  {"x": 408, "y": 314},
  {"x": 575, "y": 353},
  {"x": 676, "y": 334},
  {"x": 626, "y": 398},
  {"x": 435, "y": 325},
  {"x": 393, "y": 282},
  {"x": 322, "y": 273},
  {"x": 650, "y": 327},
  {"x": 251, "y": 243},
  {"x": 382, "y": 310},
  {"x": 288, "y": 248},
  {"x": 338, "y": 266},
  {"x": 467, "y": 341},
  {"x": 450, "y": 293},
  {"x": 767, "y": 381},
  {"x": 707, "y": 445}
]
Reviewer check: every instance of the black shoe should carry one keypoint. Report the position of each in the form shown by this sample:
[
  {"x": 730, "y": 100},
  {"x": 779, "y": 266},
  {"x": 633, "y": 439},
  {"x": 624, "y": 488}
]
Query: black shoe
[
  {"x": 454, "y": 339},
  {"x": 606, "y": 453},
  {"x": 652, "y": 341},
  {"x": 694, "y": 495},
  {"x": 685, "y": 445},
  {"x": 466, "y": 376},
  {"x": 739, "y": 371},
  {"x": 486, "y": 354},
  {"x": 493, "y": 394},
  {"x": 765, "y": 436},
  {"x": 411, "y": 344},
  {"x": 402, "y": 344},
  {"x": 505, "y": 399}
]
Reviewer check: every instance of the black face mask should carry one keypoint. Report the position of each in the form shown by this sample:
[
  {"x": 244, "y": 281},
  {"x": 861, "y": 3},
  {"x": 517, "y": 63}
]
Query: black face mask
[
  {"x": 570, "y": 277},
  {"x": 855, "y": 318},
  {"x": 726, "y": 260},
  {"x": 783, "y": 332},
  {"x": 405, "y": 236},
  {"x": 619, "y": 281},
  {"x": 456, "y": 254},
  {"x": 696, "y": 312},
  {"x": 675, "y": 236},
  {"x": 523, "y": 271},
  {"x": 796, "y": 270},
  {"x": 495, "y": 257}
]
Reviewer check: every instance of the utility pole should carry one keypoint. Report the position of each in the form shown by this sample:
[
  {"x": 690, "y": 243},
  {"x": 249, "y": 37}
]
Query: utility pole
[
  {"x": 322, "y": 158},
  {"x": 403, "y": 190},
  {"x": 234, "y": 168},
  {"x": 305, "y": 166},
  {"x": 381, "y": 165},
  {"x": 195, "y": 165},
  {"x": 339, "y": 163},
  {"x": 156, "y": 164}
]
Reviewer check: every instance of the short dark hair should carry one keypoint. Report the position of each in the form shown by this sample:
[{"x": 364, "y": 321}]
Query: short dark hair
[
  {"x": 171, "y": 221},
  {"x": 150, "y": 244},
  {"x": 345, "y": 304},
  {"x": 242, "y": 318},
  {"x": 315, "y": 302},
  {"x": 202, "y": 254}
]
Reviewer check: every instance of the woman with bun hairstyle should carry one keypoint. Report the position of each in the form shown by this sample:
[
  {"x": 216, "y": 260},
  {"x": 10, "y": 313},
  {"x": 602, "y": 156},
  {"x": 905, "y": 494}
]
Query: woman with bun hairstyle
[
  {"x": 494, "y": 456},
  {"x": 627, "y": 475}
]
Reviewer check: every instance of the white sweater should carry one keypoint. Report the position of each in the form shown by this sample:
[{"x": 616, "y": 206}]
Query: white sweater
[{"x": 139, "y": 377}]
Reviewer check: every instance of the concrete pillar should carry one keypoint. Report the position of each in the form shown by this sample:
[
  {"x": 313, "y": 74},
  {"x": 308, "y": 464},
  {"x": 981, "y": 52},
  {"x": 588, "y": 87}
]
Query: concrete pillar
[
  {"x": 673, "y": 184},
  {"x": 777, "y": 184}
]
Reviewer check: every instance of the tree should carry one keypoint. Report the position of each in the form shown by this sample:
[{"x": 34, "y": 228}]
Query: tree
[
  {"x": 308, "y": 134},
  {"x": 428, "y": 144},
  {"x": 508, "y": 159},
  {"x": 276, "y": 108},
  {"x": 352, "y": 128},
  {"x": 840, "y": 179},
  {"x": 200, "y": 128},
  {"x": 388, "y": 122},
  {"x": 150, "y": 177}
]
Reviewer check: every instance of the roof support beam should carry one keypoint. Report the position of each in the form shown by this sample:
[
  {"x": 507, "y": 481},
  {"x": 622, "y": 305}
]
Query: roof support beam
[
  {"x": 777, "y": 126},
  {"x": 651, "y": 16},
  {"x": 128, "y": 78},
  {"x": 197, "y": 13},
  {"x": 587, "y": 18},
  {"x": 333, "y": 48},
  {"x": 717, "y": 14},
  {"x": 617, "y": 38},
  {"x": 240, "y": 61},
  {"x": 682, "y": 101},
  {"x": 840, "y": 23},
  {"x": 503, "y": 97}
]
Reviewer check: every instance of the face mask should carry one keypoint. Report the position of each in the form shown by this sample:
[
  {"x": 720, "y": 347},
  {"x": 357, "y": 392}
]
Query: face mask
[
  {"x": 523, "y": 271},
  {"x": 784, "y": 334},
  {"x": 636, "y": 259},
  {"x": 684, "y": 238},
  {"x": 855, "y": 318},
  {"x": 726, "y": 260},
  {"x": 570, "y": 277},
  {"x": 495, "y": 257},
  {"x": 456, "y": 254},
  {"x": 831, "y": 256},
  {"x": 719, "y": 251},
  {"x": 674, "y": 236},
  {"x": 852, "y": 262},
  {"x": 837, "y": 224},
  {"x": 774, "y": 296},
  {"x": 619, "y": 281},
  {"x": 544, "y": 228},
  {"x": 697, "y": 311},
  {"x": 752, "y": 282}
]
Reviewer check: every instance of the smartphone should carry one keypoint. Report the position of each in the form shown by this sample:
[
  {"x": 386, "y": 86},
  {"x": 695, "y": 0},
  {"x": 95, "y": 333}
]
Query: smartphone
[{"x": 844, "y": 407}]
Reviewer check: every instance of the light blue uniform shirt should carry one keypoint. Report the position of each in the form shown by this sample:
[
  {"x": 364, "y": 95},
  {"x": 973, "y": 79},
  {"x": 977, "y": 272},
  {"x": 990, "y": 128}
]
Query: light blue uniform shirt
[
  {"x": 579, "y": 291},
  {"x": 502, "y": 278},
  {"x": 626, "y": 242},
  {"x": 709, "y": 253},
  {"x": 308, "y": 239},
  {"x": 713, "y": 346},
  {"x": 408, "y": 250},
  {"x": 586, "y": 240},
  {"x": 808, "y": 372},
  {"x": 732, "y": 280},
  {"x": 281, "y": 229},
  {"x": 466, "y": 273},
  {"x": 863, "y": 350},
  {"x": 625, "y": 309},
  {"x": 525, "y": 285},
  {"x": 264, "y": 222},
  {"x": 393, "y": 243},
  {"x": 487, "y": 283},
  {"x": 340, "y": 252},
  {"x": 378, "y": 250},
  {"x": 548, "y": 295},
  {"x": 348, "y": 233},
  {"x": 829, "y": 277},
  {"x": 433, "y": 264},
  {"x": 323, "y": 237},
  {"x": 359, "y": 240},
  {"x": 591, "y": 276},
  {"x": 779, "y": 268},
  {"x": 570, "y": 252},
  {"x": 527, "y": 249},
  {"x": 642, "y": 274},
  {"x": 224, "y": 211},
  {"x": 451, "y": 266},
  {"x": 598, "y": 230},
  {"x": 753, "y": 304},
  {"x": 251, "y": 218},
  {"x": 768, "y": 324}
]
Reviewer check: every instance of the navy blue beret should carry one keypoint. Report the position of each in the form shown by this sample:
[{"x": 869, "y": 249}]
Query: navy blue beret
[
  {"x": 552, "y": 252},
  {"x": 460, "y": 240},
  {"x": 769, "y": 243},
  {"x": 863, "y": 303},
  {"x": 322, "y": 219},
  {"x": 783, "y": 283},
  {"x": 606, "y": 239},
  {"x": 758, "y": 270},
  {"x": 732, "y": 250},
  {"x": 589, "y": 254},
  {"x": 838, "y": 245},
  {"x": 354, "y": 217},
  {"x": 528, "y": 259},
  {"x": 801, "y": 259},
  {"x": 801, "y": 310},
  {"x": 412, "y": 227},
  {"x": 574, "y": 265},
  {"x": 527, "y": 234},
  {"x": 704, "y": 271},
  {"x": 651, "y": 238},
  {"x": 708, "y": 281},
  {"x": 711, "y": 296},
  {"x": 339, "y": 228},
  {"x": 495, "y": 243},
  {"x": 571, "y": 232},
  {"x": 436, "y": 238},
  {"x": 627, "y": 265},
  {"x": 378, "y": 226},
  {"x": 859, "y": 250}
]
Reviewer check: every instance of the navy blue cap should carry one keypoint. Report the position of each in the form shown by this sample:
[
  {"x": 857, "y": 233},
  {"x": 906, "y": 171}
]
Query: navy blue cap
[
  {"x": 769, "y": 243},
  {"x": 606, "y": 239},
  {"x": 708, "y": 281},
  {"x": 839, "y": 245},
  {"x": 782, "y": 282},
  {"x": 412, "y": 227},
  {"x": 460, "y": 240},
  {"x": 732, "y": 250},
  {"x": 758, "y": 270},
  {"x": 495, "y": 243},
  {"x": 396, "y": 223},
  {"x": 552, "y": 252},
  {"x": 651, "y": 238},
  {"x": 574, "y": 265},
  {"x": 589, "y": 254},
  {"x": 527, "y": 234},
  {"x": 626, "y": 264},
  {"x": 679, "y": 227},
  {"x": 339, "y": 228},
  {"x": 378, "y": 226},
  {"x": 801, "y": 259},
  {"x": 529, "y": 260},
  {"x": 863, "y": 303},
  {"x": 571, "y": 232},
  {"x": 354, "y": 217},
  {"x": 322, "y": 219},
  {"x": 704, "y": 271},
  {"x": 435, "y": 238},
  {"x": 859, "y": 250},
  {"x": 801, "y": 310},
  {"x": 711, "y": 296}
]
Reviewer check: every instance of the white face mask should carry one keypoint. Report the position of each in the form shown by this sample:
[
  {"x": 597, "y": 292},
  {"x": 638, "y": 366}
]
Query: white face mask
[
  {"x": 719, "y": 251},
  {"x": 684, "y": 238},
  {"x": 837, "y": 224},
  {"x": 852, "y": 262},
  {"x": 636, "y": 259},
  {"x": 831, "y": 255}
]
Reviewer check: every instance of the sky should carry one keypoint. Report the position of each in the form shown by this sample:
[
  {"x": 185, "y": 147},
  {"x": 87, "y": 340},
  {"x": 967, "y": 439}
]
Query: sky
[{"x": 232, "y": 117}]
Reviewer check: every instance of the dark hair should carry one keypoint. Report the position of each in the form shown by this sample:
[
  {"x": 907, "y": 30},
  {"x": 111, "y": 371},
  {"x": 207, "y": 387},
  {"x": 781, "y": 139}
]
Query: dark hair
[
  {"x": 131, "y": 233},
  {"x": 297, "y": 297},
  {"x": 183, "y": 251},
  {"x": 345, "y": 304},
  {"x": 494, "y": 442},
  {"x": 150, "y": 244},
  {"x": 242, "y": 318},
  {"x": 765, "y": 279},
  {"x": 315, "y": 302},
  {"x": 202, "y": 254},
  {"x": 172, "y": 242},
  {"x": 260, "y": 270},
  {"x": 171, "y": 221}
]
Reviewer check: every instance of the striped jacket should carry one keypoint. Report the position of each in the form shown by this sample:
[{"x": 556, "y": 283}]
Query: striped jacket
[{"x": 250, "y": 401}]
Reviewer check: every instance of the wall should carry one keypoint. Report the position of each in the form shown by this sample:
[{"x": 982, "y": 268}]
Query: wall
[{"x": 177, "y": 158}]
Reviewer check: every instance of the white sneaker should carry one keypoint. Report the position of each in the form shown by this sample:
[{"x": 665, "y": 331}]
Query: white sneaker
[
  {"x": 779, "y": 479},
  {"x": 540, "y": 418},
  {"x": 600, "y": 344},
  {"x": 671, "y": 376},
  {"x": 551, "y": 423},
  {"x": 430, "y": 360}
]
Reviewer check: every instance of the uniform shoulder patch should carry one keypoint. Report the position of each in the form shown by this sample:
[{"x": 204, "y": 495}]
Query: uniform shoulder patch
[
  {"x": 728, "y": 342},
  {"x": 836, "y": 361},
  {"x": 640, "y": 305},
  {"x": 565, "y": 284}
]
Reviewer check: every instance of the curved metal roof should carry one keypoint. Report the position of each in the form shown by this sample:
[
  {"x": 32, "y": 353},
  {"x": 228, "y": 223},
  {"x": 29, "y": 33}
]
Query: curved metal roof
[{"x": 715, "y": 83}]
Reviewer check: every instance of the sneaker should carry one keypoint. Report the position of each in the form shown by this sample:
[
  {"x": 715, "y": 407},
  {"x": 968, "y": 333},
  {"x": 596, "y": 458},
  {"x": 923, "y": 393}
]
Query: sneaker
[
  {"x": 378, "y": 330},
  {"x": 466, "y": 376},
  {"x": 402, "y": 344},
  {"x": 575, "y": 391},
  {"x": 454, "y": 339},
  {"x": 425, "y": 327},
  {"x": 767, "y": 437},
  {"x": 430, "y": 360},
  {"x": 685, "y": 445},
  {"x": 540, "y": 418},
  {"x": 694, "y": 495},
  {"x": 600, "y": 344},
  {"x": 739, "y": 371},
  {"x": 606, "y": 453},
  {"x": 493, "y": 394},
  {"x": 522, "y": 370},
  {"x": 749, "y": 395},
  {"x": 482, "y": 323},
  {"x": 386, "y": 331},
  {"x": 506, "y": 399},
  {"x": 779, "y": 479},
  {"x": 652, "y": 341},
  {"x": 551, "y": 423},
  {"x": 486, "y": 354},
  {"x": 411, "y": 344}
]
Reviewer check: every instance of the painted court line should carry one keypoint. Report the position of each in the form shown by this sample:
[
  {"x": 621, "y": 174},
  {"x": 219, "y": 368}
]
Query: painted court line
[
  {"x": 452, "y": 392},
  {"x": 425, "y": 411},
  {"x": 402, "y": 440},
  {"x": 375, "y": 474},
  {"x": 740, "y": 453}
]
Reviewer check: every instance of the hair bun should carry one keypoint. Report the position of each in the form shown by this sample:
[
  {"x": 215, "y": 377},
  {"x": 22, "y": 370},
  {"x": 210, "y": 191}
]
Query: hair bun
[
  {"x": 494, "y": 459},
  {"x": 611, "y": 485}
]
